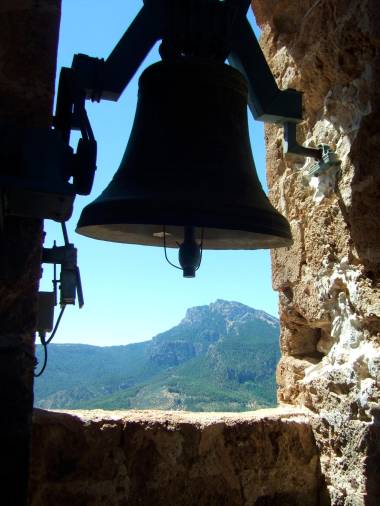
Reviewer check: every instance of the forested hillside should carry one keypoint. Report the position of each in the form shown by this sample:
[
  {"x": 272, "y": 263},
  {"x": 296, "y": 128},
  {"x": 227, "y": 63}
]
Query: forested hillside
[{"x": 220, "y": 357}]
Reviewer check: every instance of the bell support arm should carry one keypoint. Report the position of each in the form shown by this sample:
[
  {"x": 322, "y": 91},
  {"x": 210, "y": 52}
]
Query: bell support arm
[
  {"x": 266, "y": 101},
  {"x": 107, "y": 79},
  {"x": 291, "y": 145}
]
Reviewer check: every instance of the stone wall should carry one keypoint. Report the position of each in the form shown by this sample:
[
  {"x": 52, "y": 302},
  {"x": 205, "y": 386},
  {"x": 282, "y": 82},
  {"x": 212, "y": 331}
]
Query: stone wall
[
  {"x": 329, "y": 279},
  {"x": 28, "y": 44},
  {"x": 155, "y": 458}
]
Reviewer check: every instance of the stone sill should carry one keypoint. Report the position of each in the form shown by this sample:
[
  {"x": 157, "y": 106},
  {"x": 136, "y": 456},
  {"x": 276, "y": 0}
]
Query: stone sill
[
  {"x": 114, "y": 458},
  {"x": 203, "y": 419}
]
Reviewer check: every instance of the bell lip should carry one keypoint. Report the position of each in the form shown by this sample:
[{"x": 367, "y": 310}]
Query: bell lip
[
  {"x": 230, "y": 239},
  {"x": 98, "y": 221}
]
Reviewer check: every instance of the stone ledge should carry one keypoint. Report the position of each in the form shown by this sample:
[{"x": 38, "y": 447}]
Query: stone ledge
[
  {"x": 109, "y": 458},
  {"x": 285, "y": 412}
]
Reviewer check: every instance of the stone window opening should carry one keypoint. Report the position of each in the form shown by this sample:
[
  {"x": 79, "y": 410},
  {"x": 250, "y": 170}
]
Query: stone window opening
[{"x": 323, "y": 446}]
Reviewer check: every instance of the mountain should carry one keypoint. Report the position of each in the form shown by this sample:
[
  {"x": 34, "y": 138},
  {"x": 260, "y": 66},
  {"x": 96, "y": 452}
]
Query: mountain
[{"x": 220, "y": 357}]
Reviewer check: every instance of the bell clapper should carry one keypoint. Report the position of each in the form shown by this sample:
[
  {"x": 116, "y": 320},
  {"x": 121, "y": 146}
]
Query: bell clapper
[{"x": 190, "y": 252}]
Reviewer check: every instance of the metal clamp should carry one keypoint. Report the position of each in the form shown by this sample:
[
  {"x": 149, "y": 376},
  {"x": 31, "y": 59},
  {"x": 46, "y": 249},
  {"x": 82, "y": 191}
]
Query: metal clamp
[
  {"x": 323, "y": 154},
  {"x": 70, "y": 285},
  {"x": 328, "y": 161},
  {"x": 70, "y": 281}
]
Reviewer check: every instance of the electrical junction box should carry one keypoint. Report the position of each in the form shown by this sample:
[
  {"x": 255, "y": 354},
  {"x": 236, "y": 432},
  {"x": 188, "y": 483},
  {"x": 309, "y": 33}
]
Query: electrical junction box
[
  {"x": 35, "y": 167},
  {"x": 45, "y": 315}
]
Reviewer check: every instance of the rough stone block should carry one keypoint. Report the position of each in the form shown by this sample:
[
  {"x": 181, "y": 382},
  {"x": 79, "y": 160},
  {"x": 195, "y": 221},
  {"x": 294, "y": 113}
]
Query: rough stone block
[{"x": 155, "y": 458}]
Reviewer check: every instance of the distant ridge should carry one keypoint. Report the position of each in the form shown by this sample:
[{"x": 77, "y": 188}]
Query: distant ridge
[{"x": 220, "y": 357}]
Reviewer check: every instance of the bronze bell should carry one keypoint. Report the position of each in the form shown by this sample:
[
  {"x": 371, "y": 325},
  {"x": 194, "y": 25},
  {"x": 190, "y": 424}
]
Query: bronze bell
[{"x": 188, "y": 163}]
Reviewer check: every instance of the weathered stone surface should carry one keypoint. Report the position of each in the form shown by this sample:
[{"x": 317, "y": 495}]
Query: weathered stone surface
[
  {"x": 28, "y": 43},
  {"x": 349, "y": 479},
  {"x": 329, "y": 279},
  {"x": 29, "y": 39},
  {"x": 103, "y": 458}
]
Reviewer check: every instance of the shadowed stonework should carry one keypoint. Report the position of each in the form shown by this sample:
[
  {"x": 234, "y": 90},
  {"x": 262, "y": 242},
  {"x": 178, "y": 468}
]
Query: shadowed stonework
[{"x": 28, "y": 44}]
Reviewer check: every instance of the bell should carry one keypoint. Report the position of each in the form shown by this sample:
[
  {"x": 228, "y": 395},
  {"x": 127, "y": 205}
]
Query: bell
[{"x": 188, "y": 163}]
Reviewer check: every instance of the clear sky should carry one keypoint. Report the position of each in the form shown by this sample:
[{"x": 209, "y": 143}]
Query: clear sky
[{"x": 131, "y": 293}]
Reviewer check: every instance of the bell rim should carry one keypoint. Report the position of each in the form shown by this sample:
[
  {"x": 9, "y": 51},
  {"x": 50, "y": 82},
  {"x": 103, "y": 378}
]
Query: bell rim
[
  {"x": 250, "y": 241},
  {"x": 100, "y": 216}
]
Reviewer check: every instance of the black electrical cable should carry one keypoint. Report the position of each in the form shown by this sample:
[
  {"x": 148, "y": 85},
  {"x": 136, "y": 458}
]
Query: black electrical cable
[
  {"x": 201, "y": 248},
  {"x": 44, "y": 347},
  {"x": 65, "y": 234},
  {"x": 166, "y": 256},
  {"x": 45, "y": 342}
]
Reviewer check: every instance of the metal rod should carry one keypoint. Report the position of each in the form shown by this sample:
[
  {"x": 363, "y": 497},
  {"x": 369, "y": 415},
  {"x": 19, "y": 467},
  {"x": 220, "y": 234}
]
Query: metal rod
[
  {"x": 266, "y": 101},
  {"x": 130, "y": 51},
  {"x": 291, "y": 144}
]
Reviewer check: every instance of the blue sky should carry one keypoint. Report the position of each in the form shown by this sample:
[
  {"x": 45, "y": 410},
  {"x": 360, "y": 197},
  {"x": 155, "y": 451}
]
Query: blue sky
[{"x": 131, "y": 293}]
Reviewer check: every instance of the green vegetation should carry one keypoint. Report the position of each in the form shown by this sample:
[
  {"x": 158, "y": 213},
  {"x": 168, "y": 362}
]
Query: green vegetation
[{"x": 221, "y": 357}]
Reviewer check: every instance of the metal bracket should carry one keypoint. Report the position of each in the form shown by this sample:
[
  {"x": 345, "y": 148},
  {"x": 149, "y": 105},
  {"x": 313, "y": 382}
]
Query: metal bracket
[
  {"x": 325, "y": 157},
  {"x": 266, "y": 101},
  {"x": 36, "y": 166},
  {"x": 35, "y": 169},
  {"x": 70, "y": 281},
  {"x": 70, "y": 285},
  {"x": 66, "y": 256},
  {"x": 106, "y": 79},
  {"x": 290, "y": 143},
  {"x": 71, "y": 115},
  {"x": 328, "y": 161}
]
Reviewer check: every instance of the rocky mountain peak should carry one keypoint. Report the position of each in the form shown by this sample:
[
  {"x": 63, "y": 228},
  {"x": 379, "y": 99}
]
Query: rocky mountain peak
[{"x": 228, "y": 312}]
